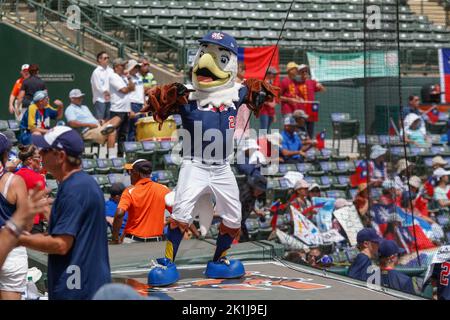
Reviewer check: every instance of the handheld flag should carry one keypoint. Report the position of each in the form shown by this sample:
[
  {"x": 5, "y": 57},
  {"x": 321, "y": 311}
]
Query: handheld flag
[
  {"x": 360, "y": 175},
  {"x": 320, "y": 138},
  {"x": 433, "y": 115}
]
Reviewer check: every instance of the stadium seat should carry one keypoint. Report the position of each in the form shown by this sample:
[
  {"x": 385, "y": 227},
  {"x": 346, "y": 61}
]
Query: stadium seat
[
  {"x": 131, "y": 148},
  {"x": 104, "y": 166},
  {"x": 336, "y": 194},
  {"x": 14, "y": 125},
  {"x": 118, "y": 165},
  {"x": 344, "y": 128},
  {"x": 4, "y": 125},
  {"x": 88, "y": 165},
  {"x": 117, "y": 177},
  {"x": 164, "y": 177},
  {"x": 345, "y": 167},
  {"x": 103, "y": 182},
  {"x": 148, "y": 150}
]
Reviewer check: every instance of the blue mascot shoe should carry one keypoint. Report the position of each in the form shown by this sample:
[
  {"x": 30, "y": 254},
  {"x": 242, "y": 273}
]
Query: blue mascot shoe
[
  {"x": 225, "y": 269},
  {"x": 163, "y": 273}
]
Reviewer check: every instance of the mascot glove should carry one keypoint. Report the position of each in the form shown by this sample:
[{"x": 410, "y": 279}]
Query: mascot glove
[
  {"x": 259, "y": 91},
  {"x": 165, "y": 100}
]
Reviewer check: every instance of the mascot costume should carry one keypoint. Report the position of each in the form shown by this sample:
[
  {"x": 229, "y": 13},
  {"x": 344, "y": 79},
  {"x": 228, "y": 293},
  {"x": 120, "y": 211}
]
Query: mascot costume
[{"x": 208, "y": 111}]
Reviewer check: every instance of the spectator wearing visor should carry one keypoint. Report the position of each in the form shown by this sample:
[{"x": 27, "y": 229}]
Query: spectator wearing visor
[
  {"x": 36, "y": 120},
  {"x": 145, "y": 203},
  {"x": 442, "y": 189},
  {"x": 368, "y": 244},
  {"x": 389, "y": 253}
]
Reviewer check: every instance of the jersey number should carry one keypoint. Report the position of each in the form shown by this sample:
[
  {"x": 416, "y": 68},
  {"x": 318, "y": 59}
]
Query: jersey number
[
  {"x": 231, "y": 122},
  {"x": 445, "y": 270}
]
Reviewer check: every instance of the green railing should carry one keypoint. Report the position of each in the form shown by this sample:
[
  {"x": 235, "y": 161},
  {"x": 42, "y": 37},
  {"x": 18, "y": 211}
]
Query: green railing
[{"x": 96, "y": 31}]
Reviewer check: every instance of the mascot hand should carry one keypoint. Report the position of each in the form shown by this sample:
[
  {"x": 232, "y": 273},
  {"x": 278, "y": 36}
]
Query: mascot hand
[
  {"x": 259, "y": 91},
  {"x": 165, "y": 100}
]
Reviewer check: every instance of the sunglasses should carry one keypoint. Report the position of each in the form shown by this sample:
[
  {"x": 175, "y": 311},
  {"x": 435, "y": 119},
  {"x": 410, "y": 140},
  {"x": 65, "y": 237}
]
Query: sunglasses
[{"x": 105, "y": 58}]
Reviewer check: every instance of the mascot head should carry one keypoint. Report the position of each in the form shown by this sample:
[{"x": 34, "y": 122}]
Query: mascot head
[{"x": 215, "y": 64}]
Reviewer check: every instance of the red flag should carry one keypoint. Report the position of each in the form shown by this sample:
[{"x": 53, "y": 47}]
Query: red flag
[
  {"x": 429, "y": 186},
  {"x": 320, "y": 138},
  {"x": 360, "y": 175},
  {"x": 256, "y": 61},
  {"x": 421, "y": 204},
  {"x": 393, "y": 128},
  {"x": 433, "y": 115}
]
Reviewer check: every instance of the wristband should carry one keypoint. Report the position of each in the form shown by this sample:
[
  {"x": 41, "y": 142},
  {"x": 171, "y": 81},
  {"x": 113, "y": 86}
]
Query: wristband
[{"x": 15, "y": 229}]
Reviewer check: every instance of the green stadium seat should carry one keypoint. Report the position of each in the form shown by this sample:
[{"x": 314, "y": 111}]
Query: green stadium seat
[
  {"x": 4, "y": 125},
  {"x": 131, "y": 148},
  {"x": 104, "y": 166},
  {"x": 14, "y": 125},
  {"x": 312, "y": 180},
  {"x": 89, "y": 165},
  {"x": 336, "y": 194},
  {"x": 164, "y": 177},
  {"x": 116, "y": 177},
  {"x": 118, "y": 165},
  {"x": 103, "y": 182}
]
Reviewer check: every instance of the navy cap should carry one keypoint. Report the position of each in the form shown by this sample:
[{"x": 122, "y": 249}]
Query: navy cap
[
  {"x": 221, "y": 39},
  {"x": 5, "y": 143},
  {"x": 61, "y": 137},
  {"x": 368, "y": 234},
  {"x": 388, "y": 248}
]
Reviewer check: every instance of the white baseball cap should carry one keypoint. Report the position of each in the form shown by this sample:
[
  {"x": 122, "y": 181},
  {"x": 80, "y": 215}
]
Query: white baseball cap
[
  {"x": 377, "y": 151},
  {"x": 25, "y": 67},
  {"x": 131, "y": 65},
  {"x": 75, "y": 93}
]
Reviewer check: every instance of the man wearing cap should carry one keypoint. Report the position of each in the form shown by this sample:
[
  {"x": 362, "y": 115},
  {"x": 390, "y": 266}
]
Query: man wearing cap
[
  {"x": 100, "y": 86},
  {"x": 76, "y": 244},
  {"x": 36, "y": 120},
  {"x": 391, "y": 278},
  {"x": 30, "y": 86},
  {"x": 307, "y": 89},
  {"x": 291, "y": 147},
  {"x": 120, "y": 88},
  {"x": 368, "y": 242},
  {"x": 115, "y": 193},
  {"x": 289, "y": 90},
  {"x": 136, "y": 97},
  {"x": 144, "y": 201},
  {"x": 267, "y": 111},
  {"x": 13, "y": 107},
  {"x": 79, "y": 117},
  {"x": 249, "y": 192},
  {"x": 300, "y": 118}
]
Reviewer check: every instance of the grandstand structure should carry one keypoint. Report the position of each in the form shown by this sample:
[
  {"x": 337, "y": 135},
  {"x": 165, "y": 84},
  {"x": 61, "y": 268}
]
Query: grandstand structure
[{"x": 166, "y": 29}]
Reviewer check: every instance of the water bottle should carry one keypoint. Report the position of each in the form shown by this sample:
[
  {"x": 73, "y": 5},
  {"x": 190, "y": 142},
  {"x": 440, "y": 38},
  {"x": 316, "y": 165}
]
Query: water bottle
[{"x": 32, "y": 292}]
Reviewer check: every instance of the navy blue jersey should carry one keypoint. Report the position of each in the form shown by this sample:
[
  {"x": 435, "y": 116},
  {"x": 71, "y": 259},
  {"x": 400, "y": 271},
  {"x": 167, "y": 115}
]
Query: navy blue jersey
[
  {"x": 398, "y": 281},
  {"x": 441, "y": 273},
  {"x": 204, "y": 127},
  {"x": 79, "y": 211},
  {"x": 6, "y": 209},
  {"x": 358, "y": 269}
]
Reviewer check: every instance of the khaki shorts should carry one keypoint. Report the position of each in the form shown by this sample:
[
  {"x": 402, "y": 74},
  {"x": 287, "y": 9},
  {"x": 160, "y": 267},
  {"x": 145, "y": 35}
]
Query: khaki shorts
[{"x": 96, "y": 135}]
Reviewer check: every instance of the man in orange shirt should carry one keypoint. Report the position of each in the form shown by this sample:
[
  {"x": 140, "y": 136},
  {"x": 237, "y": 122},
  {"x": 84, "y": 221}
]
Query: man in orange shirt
[
  {"x": 16, "y": 90},
  {"x": 145, "y": 203}
]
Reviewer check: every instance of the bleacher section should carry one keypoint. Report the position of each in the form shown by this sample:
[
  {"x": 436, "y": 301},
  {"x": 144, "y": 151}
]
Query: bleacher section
[{"x": 335, "y": 24}]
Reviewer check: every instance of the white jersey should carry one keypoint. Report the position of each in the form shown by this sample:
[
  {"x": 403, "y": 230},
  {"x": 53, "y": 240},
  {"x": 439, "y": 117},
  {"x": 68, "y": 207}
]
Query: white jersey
[{"x": 137, "y": 96}]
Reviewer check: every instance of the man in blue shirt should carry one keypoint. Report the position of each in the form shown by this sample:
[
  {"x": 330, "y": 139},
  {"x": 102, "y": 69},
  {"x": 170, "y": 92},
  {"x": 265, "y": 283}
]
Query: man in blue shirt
[
  {"x": 291, "y": 147},
  {"x": 111, "y": 205},
  {"x": 368, "y": 242},
  {"x": 77, "y": 244},
  {"x": 391, "y": 278}
]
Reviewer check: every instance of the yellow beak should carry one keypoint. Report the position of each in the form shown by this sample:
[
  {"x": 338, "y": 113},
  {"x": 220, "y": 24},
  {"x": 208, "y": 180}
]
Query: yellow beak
[{"x": 207, "y": 61}]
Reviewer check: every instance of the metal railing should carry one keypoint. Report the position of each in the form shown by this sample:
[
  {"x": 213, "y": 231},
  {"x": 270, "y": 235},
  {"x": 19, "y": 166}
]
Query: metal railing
[{"x": 95, "y": 31}]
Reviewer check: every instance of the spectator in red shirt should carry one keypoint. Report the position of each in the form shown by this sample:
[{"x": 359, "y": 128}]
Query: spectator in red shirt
[
  {"x": 307, "y": 89},
  {"x": 30, "y": 172},
  {"x": 13, "y": 108},
  {"x": 289, "y": 90},
  {"x": 267, "y": 111}
]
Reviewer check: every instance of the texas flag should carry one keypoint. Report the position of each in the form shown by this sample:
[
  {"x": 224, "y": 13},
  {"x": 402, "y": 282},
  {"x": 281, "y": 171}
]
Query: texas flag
[
  {"x": 360, "y": 175},
  {"x": 320, "y": 138},
  {"x": 256, "y": 61},
  {"x": 444, "y": 70}
]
